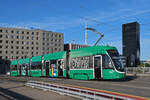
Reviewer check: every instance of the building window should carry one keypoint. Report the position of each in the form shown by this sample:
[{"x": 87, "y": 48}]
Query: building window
[
  {"x": 43, "y": 43},
  {"x": 6, "y": 52},
  {"x": 22, "y": 48},
  {"x": 17, "y": 47},
  {"x": 37, "y": 38},
  {"x": 37, "y": 33},
  {"x": 43, "y": 48},
  {"x": 27, "y": 47},
  {"x": 12, "y": 47},
  {"x": 32, "y": 48},
  {"x": 6, "y": 31},
  {"x": 12, "y": 52},
  {"x": 37, "y": 43},
  {"x": 6, "y": 46},
  {"x": 22, "y": 32},
  {"x": 12, "y": 42},
  {"x": 43, "y": 38},
  {"x": 17, "y": 52},
  {"x": 6, "y": 41},
  {"x": 17, "y": 32},
  {"x": 32, "y": 33},
  {"x": 0, "y": 51},
  {"x": 12, "y": 36},
  {"x": 27, "y": 33},
  {"x": 59, "y": 35},
  {"x": 22, "y": 42},
  {"x": 32, "y": 37},
  {"x": 12, "y": 31},
  {"x": 17, "y": 37},
  {"x": 37, "y": 53},
  {"x": 17, "y": 42},
  {"x": 0, "y": 41},
  {"x": 37, "y": 48},
  {"x": 6, "y": 36},
  {"x": 27, "y": 37},
  {"x": 27, "y": 42},
  {"x": 1, "y": 30},
  {"x": 32, "y": 43},
  {"x": 1, "y": 36},
  {"x": 22, "y": 37}
]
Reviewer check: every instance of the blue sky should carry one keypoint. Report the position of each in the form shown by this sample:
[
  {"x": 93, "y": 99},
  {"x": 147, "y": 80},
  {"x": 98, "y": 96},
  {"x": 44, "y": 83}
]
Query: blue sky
[{"x": 68, "y": 17}]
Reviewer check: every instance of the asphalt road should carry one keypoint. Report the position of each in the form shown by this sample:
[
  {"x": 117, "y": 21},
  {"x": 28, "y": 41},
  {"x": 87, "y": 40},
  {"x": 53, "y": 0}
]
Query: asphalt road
[{"x": 138, "y": 86}]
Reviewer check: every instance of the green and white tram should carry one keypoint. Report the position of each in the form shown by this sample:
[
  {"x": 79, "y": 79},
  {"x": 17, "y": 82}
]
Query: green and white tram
[{"x": 95, "y": 62}]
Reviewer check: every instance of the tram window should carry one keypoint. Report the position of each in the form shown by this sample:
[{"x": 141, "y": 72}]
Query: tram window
[
  {"x": 97, "y": 62},
  {"x": 107, "y": 62},
  {"x": 36, "y": 65},
  {"x": 60, "y": 63},
  {"x": 53, "y": 63},
  {"x": 81, "y": 62},
  {"x": 14, "y": 67}
]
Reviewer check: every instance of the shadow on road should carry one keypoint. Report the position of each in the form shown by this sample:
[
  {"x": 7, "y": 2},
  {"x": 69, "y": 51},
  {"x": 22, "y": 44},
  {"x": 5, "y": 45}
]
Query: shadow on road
[{"x": 13, "y": 95}]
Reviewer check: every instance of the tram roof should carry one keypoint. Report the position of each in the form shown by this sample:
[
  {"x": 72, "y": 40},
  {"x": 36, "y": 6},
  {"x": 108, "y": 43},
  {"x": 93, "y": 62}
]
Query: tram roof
[
  {"x": 24, "y": 61},
  {"x": 36, "y": 59},
  {"x": 13, "y": 62},
  {"x": 92, "y": 50},
  {"x": 54, "y": 56}
]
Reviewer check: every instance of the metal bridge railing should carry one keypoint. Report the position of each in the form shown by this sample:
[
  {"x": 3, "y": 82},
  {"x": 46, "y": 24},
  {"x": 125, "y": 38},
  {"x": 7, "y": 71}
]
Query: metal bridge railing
[
  {"x": 138, "y": 70},
  {"x": 76, "y": 92}
]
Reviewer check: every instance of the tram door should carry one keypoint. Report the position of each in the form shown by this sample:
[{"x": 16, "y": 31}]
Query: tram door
[
  {"x": 47, "y": 67},
  {"x": 98, "y": 66},
  {"x": 27, "y": 70},
  {"x": 60, "y": 68},
  {"x": 20, "y": 69}
]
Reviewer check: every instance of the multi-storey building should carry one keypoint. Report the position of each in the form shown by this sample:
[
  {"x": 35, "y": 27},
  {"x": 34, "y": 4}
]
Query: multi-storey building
[
  {"x": 131, "y": 43},
  {"x": 17, "y": 43}
]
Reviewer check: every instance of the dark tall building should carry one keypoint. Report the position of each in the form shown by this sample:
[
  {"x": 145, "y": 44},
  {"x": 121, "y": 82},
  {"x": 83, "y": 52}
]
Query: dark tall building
[{"x": 131, "y": 43}]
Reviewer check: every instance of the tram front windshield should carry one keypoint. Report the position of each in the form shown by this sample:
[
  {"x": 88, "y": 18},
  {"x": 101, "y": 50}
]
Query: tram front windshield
[{"x": 116, "y": 59}]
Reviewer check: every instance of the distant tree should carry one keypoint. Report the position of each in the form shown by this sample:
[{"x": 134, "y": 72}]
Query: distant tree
[{"x": 147, "y": 65}]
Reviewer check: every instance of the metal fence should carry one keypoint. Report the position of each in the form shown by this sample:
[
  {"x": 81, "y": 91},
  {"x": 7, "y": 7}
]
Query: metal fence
[
  {"x": 82, "y": 93},
  {"x": 138, "y": 70}
]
